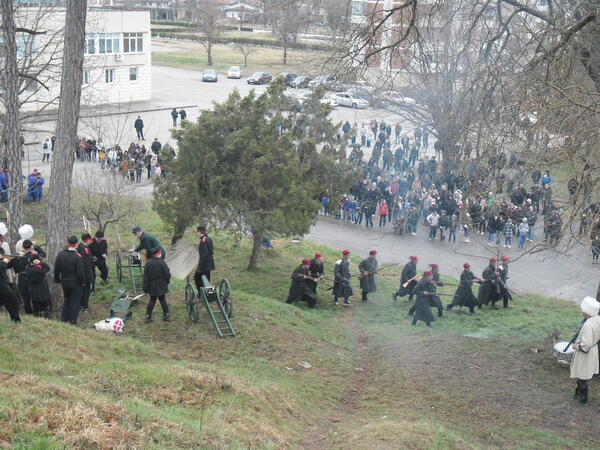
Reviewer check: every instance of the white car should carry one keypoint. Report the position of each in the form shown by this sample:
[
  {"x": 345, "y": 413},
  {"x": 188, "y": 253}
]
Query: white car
[
  {"x": 234, "y": 72},
  {"x": 301, "y": 98},
  {"x": 395, "y": 98},
  {"x": 349, "y": 100}
]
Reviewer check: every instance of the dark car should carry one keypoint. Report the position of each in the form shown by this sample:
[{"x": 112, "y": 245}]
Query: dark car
[
  {"x": 209, "y": 75},
  {"x": 259, "y": 78},
  {"x": 300, "y": 82},
  {"x": 288, "y": 77}
]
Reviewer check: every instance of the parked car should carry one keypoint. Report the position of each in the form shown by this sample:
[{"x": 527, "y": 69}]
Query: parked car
[
  {"x": 394, "y": 98},
  {"x": 259, "y": 78},
  {"x": 209, "y": 75},
  {"x": 300, "y": 82},
  {"x": 288, "y": 77},
  {"x": 327, "y": 80},
  {"x": 306, "y": 96},
  {"x": 234, "y": 72},
  {"x": 347, "y": 99}
]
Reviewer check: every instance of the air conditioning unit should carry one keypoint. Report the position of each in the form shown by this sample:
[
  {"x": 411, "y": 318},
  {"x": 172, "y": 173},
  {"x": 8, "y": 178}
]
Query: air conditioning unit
[{"x": 119, "y": 56}]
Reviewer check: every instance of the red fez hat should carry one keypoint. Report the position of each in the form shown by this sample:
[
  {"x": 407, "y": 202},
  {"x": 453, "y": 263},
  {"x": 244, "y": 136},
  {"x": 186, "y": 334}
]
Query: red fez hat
[
  {"x": 318, "y": 255},
  {"x": 505, "y": 258},
  {"x": 493, "y": 260},
  {"x": 435, "y": 266},
  {"x": 373, "y": 252},
  {"x": 465, "y": 265},
  {"x": 413, "y": 258},
  {"x": 306, "y": 261},
  {"x": 346, "y": 252},
  {"x": 428, "y": 273}
]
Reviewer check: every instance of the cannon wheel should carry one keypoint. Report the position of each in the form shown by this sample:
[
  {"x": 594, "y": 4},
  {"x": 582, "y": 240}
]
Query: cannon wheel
[
  {"x": 119, "y": 265},
  {"x": 191, "y": 303},
  {"x": 225, "y": 297}
]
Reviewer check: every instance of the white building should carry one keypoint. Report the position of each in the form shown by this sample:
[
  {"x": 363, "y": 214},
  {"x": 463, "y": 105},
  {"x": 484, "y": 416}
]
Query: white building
[{"x": 117, "y": 64}]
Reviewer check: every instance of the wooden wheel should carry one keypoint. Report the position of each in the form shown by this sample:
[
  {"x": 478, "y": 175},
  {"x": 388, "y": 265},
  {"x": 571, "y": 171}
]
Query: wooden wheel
[
  {"x": 191, "y": 303},
  {"x": 119, "y": 266},
  {"x": 225, "y": 297}
]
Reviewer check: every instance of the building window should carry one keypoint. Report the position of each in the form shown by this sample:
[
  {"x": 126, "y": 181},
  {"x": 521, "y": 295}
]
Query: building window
[
  {"x": 133, "y": 43},
  {"x": 109, "y": 75},
  {"x": 90, "y": 44},
  {"x": 133, "y": 74},
  {"x": 109, "y": 43},
  {"x": 87, "y": 76},
  {"x": 359, "y": 8}
]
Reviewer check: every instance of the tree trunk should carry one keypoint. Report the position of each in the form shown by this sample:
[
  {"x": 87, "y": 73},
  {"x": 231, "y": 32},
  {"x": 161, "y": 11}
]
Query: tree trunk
[
  {"x": 12, "y": 125},
  {"x": 178, "y": 232},
  {"x": 255, "y": 251},
  {"x": 209, "y": 53},
  {"x": 59, "y": 200}
]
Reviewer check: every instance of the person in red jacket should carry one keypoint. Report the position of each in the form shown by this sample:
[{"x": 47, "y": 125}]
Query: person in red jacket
[{"x": 383, "y": 213}]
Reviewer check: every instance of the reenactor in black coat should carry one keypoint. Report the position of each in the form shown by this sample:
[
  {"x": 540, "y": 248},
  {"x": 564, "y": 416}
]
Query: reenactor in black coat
[
  {"x": 19, "y": 265},
  {"x": 148, "y": 243},
  {"x": 503, "y": 279},
  {"x": 489, "y": 290},
  {"x": 408, "y": 277},
  {"x": 464, "y": 294},
  {"x": 99, "y": 249},
  {"x": 69, "y": 271},
  {"x": 88, "y": 268},
  {"x": 156, "y": 284},
  {"x": 299, "y": 289},
  {"x": 7, "y": 295},
  {"x": 206, "y": 262},
  {"x": 342, "y": 285},
  {"x": 436, "y": 302},
  {"x": 424, "y": 290},
  {"x": 39, "y": 291},
  {"x": 368, "y": 269},
  {"x": 316, "y": 271}
]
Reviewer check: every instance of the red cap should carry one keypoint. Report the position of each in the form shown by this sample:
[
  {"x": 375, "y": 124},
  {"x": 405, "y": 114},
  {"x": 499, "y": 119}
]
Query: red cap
[
  {"x": 346, "y": 252},
  {"x": 493, "y": 260},
  {"x": 414, "y": 258},
  {"x": 466, "y": 265},
  {"x": 435, "y": 266},
  {"x": 428, "y": 273},
  {"x": 373, "y": 252},
  {"x": 158, "y": 253},
  {"x": 72, "y": 245},
  {"x": 318, "y": 255},
  {"x": 504, "y": 258},
  {"x": 306, "y": 262}
]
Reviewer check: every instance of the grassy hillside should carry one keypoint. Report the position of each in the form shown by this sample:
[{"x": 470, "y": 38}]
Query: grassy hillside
[{"x": 482, "y": 381}]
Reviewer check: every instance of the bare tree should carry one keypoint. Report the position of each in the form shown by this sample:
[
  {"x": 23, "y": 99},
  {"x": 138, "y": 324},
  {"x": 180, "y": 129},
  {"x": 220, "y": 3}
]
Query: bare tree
[
  {"x": 245, "y": 51},
  {"x": 66, "y": 131},
  {"x": 288, "y": 18},
  {"x": 207, "y": 14}
]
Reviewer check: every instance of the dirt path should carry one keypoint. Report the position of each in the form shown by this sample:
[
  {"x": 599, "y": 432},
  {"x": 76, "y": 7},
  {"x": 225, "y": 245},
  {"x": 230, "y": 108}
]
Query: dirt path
[{"x": 351, "y": 402}]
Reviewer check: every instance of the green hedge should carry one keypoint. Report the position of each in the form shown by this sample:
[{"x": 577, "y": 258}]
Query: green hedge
[
  {"x": 243, "y": 41},
  {"x": 179, "y": 24}
]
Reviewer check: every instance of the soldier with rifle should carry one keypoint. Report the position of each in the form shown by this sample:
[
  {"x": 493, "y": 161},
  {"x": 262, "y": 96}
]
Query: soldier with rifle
[
  {"x": 489, "y": 290},
  {"x": 299, "y": 289},
  {"x": 464, "y": 294},
  {"x": 368, "y": 269},
  {"x": 408, "y": 279},
  {"x": 342, "y": 287},
  {"x": 316, "y": 271},
  {"x": 503, "y": 291},
  {"x": 424, "y": 290}
]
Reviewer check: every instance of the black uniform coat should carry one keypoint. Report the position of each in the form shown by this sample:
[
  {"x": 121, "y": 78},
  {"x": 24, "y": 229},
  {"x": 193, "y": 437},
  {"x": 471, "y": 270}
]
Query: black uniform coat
[
  {"x": 99, "y": 248},
  {"x": 37, "y": 282},
  {"x": 316, "y": 270},
  {"x": 206, "y": 262},
  {"x": 367, "y": 283},
  {"x": 156, "y": 277},
  {"x": 409, "y": 271},
  {"x": 503, "y": 272},
  {"x": 422, "y": 308},
  {"x": 20, "y": 264},
  {"x": 435, "y": 300},
  {"x": 299, "y": 287},
  {"x": 88, "y": 262},
  {"x": 342, "y": 286},
  {"x": 488, "y": 289},
  {"x": 464, "y": 294},
  {"x": 68, "y": 269}
]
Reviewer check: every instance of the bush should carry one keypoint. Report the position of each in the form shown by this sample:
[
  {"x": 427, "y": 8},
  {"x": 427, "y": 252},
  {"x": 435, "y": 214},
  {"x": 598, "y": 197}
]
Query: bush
[{"x": 180, "y": 24}]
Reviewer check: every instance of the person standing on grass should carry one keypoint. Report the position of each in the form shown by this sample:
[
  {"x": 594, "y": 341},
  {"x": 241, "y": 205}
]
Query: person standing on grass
[
  {"x": 174, "y": 115},
  {"x": 464, "y": 294},
  {"x": 99, "y": 249},
  {"x": 156, "y": 284},
  {"x": 342, "y": 285},
  {"x": 69, "y": 271},
  {"x": 7, "y": 296},
  {"x": 46, "y": 150},
  {"x": 39, "y": 292},
  {"x": 88, "y": 267},
  {"x": 368, "y": 269},
  {"x": 300, "y": 289},
  {"x": 206, "y": 262},
  {"x": 139, "y": 128},
  {"x": 584, "y": 364},
  {"x": 424, "y": 290}
]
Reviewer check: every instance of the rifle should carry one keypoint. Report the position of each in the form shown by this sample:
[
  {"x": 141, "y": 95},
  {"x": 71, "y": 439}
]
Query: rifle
[
  {"x": 365, "y": 274},
  {"x": 405, "y": 285},
  {"x": 574, "y": 338}
]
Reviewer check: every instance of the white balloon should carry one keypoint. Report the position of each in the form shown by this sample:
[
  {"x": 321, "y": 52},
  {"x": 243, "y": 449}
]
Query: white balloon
[
  {"x": 26, "y": 231},
  {"x": 3, "y": 228}
]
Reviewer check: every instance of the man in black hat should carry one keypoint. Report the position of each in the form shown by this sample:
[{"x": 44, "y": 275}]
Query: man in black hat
[
  {"x": 19, "y": 265},
  {"x": 368, "y": 269},
  {"x": 7, "y": 296},
  {"x": 206, "y": 262},
  {"x": 156, "y": 284},
  {"x": 88, "y": 267},
  {"x": 148, "y": 243},
  {"x": 69, "y": 271},
  {"x": 99, "y": 250}
]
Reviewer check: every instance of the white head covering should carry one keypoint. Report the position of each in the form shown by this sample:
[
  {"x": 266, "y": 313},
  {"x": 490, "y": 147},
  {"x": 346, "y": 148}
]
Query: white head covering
[{"x": 590, "y": 306}]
